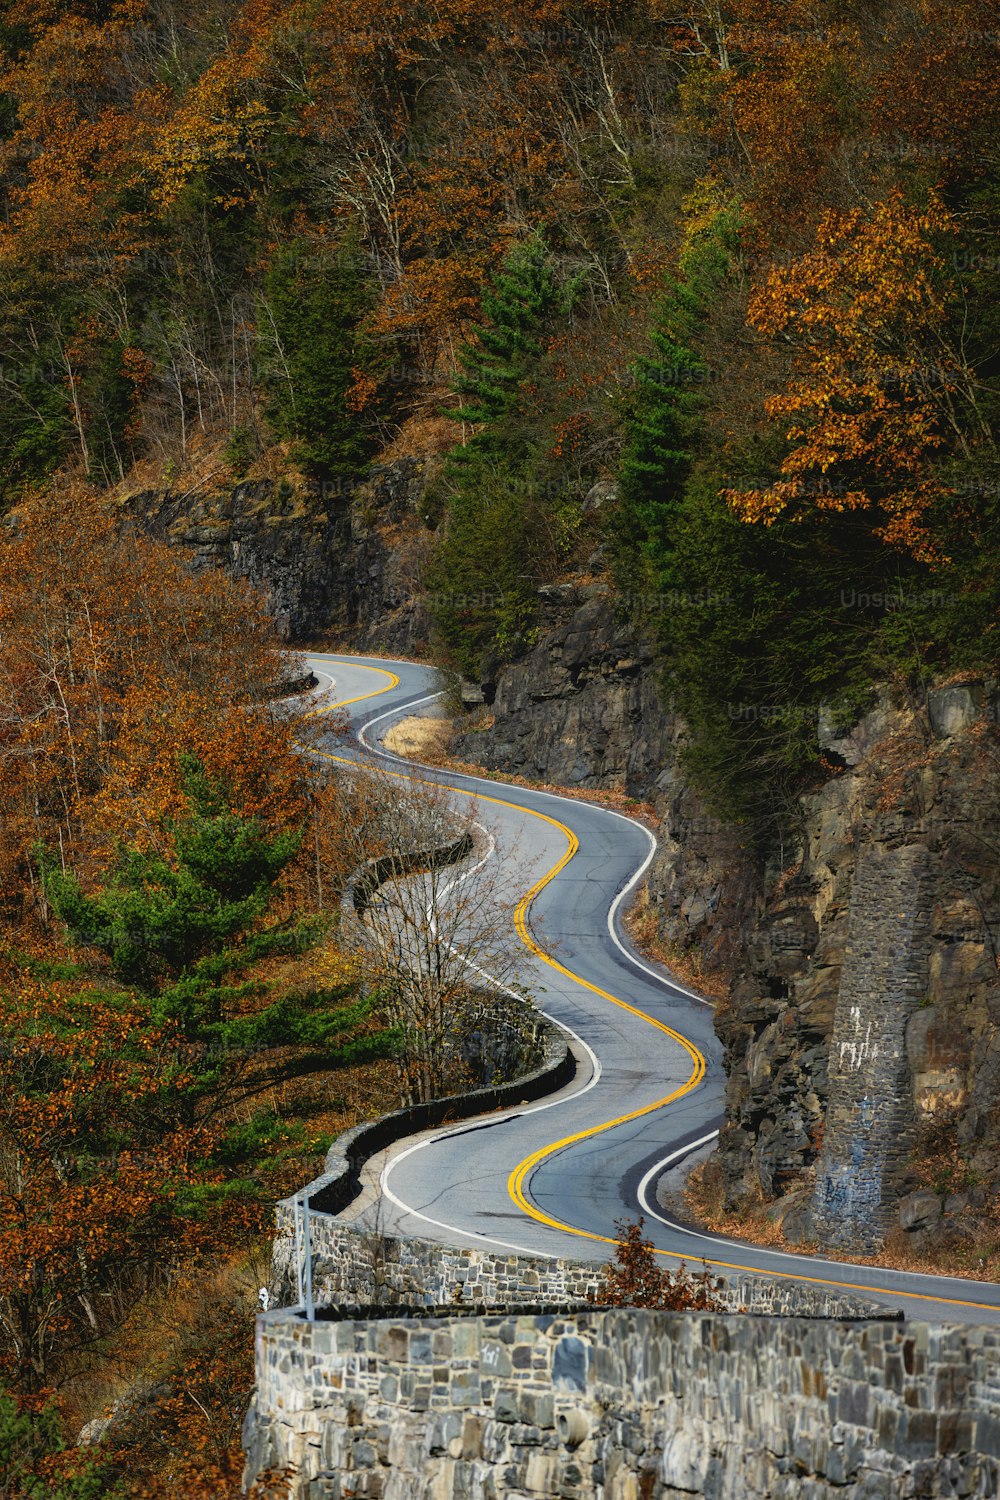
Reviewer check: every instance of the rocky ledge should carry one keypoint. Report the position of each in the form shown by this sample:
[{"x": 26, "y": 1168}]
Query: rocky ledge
[{"x": 327, "y": 558}]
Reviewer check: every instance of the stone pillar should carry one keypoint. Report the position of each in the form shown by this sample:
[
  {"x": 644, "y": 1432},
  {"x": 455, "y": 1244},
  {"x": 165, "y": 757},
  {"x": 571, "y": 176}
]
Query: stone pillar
[{"x": 869, "y": 1120}]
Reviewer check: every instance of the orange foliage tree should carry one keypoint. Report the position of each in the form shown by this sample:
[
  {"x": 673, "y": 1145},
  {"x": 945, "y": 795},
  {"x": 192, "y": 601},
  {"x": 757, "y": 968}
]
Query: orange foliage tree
[
  {"x": 877, "y": 381},
  {"x": 91, "y": 1170},
  {"x": 633, "y": 1278},
  {"x": 114, "y": 657}
]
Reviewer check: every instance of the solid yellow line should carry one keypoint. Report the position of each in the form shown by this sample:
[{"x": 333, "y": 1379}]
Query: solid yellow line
[
  {"x": 317, "y": 713},
  {"x": 516, "y": 1183}
]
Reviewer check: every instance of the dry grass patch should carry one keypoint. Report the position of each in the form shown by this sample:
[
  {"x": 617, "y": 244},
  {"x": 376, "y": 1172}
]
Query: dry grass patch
[
  {"x": 428, "y": 740},
  {"x": 754, "y": 1224},
  {"x": 642, "y": 926}
]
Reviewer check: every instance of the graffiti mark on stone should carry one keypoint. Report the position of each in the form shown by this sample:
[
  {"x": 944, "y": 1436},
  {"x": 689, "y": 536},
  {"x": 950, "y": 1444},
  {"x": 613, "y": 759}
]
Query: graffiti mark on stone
[{"x": 860, "y": 1049}]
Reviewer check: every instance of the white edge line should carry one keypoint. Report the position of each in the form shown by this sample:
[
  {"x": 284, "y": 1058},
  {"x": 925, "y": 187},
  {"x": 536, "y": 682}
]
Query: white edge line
[
  {"x": 450, "y": 1229},
  {"x": 664, "y": 979},
  {"x": 785, "y": 1255},
  {"x": 658, "y": 1167}
]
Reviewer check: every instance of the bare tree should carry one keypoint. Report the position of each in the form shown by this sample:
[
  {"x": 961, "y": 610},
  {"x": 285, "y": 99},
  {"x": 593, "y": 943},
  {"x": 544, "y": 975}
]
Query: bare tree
[{"x": 436, "y": 929}]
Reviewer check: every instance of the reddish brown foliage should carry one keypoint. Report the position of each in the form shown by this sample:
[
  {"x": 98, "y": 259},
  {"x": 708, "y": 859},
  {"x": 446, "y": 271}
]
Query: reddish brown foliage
[{"x": 634, "y": 1279}]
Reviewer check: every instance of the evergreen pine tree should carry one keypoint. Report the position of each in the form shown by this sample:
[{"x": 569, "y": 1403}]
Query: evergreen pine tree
[
  {"x": 670, "y": 401},
  {"x": 483, "y": 574},
  {"x": 521, "y": 301},
  {"x": 314, "y": 305},
  {"x": 482, "y": 577},
  {"x": 179, "y": 929}
]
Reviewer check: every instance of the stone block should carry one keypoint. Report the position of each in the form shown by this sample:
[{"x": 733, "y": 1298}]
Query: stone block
[
  {"x": 444, "y": 1430},
  {"x": 465, "y": 1339},
  {"x": 505, "y": 1406},
  {"x": 540, "y": 1474},
  {"x": 472, "y": 1438},
  {"x": 854, "y": 1403},
  {"x": 466, "y": 1388},
  {"x": 569, "y": 1365},
  {"x": 917, "y": 1434},
  {"x": 538, "y": 1409},
  {"x": 363, "y": 1454},
  {"x": 421, "y": 1352}
]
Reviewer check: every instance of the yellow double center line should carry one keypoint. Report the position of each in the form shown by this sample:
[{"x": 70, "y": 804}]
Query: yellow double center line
[{"x": 519, "y": 1179}]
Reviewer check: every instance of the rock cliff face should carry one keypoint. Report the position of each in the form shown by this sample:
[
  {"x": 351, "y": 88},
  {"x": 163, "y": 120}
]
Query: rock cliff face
[
  {"x": 863, "y": 1041},
  {"x": 863, "y": 1035},
  {"x": 327, "y": 559},
  {"x": 583, "y": 708}
]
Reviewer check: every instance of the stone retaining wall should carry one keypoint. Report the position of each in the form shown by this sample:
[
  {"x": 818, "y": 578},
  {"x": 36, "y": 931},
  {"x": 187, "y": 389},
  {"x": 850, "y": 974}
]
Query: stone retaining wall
[
  {"x": 624, "y": 1405},
  {"x": 870, "y": 1118},
  {"x": 352, "y": 1266}
]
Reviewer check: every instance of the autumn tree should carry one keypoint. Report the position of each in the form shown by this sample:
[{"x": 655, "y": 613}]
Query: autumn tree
[
  {"x": 430, "y": 939},
  {"x": 634, "y": 1279},
  {"x": 113, "y": 658},
  {"x": 879, "y": 386},
  {"x": 91, "y": 1179}
]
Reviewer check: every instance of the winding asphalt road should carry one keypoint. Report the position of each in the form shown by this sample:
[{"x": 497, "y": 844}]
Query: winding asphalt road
[{"x": 551, "y": 1179}]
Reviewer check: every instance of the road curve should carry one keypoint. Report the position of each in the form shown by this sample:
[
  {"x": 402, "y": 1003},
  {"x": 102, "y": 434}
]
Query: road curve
[{"x": 551, "y": 1179}]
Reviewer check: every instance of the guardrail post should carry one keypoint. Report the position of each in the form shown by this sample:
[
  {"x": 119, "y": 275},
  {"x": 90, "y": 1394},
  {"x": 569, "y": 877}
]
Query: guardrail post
[
  {"x": 299, "y": 1291},
  {"x": 308, "y": 1265}
]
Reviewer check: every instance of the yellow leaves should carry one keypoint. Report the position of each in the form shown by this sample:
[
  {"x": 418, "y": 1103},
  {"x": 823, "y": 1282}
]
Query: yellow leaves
[
  {"x": 223, "y": 116},
  {"x": 865, "y": 312},
  {"x": 250, "y": 752},
  {"x": 867, "y": 276},
  {"x": 709, "y": 198},
  {"x": 196, "y": 138},
  {"x": 433, "y": 295}
]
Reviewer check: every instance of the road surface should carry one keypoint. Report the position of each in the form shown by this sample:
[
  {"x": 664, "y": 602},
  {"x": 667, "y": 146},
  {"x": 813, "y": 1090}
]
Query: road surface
[{"x": 552, "y": 1178}]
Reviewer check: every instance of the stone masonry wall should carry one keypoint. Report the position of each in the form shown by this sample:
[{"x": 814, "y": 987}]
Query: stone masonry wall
[
  {"x": 624, "y": 1405},
  {"x": 870, "y": 1117},
  {"x": 353, "y": 1266}
]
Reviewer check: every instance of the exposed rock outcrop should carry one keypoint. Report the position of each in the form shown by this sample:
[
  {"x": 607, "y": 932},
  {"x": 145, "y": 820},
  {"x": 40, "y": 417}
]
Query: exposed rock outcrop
[
  {"x": 916, "y": 1055},
  {"x": 583, "y": 708},
  {"x": 864, "y": 1052},
  {"x": 327, "y": 558}
]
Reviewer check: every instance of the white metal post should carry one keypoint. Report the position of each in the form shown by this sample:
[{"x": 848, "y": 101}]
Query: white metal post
[
  {"x": 298, "y": 1250},
  {"x": 308, "y": 1266}
]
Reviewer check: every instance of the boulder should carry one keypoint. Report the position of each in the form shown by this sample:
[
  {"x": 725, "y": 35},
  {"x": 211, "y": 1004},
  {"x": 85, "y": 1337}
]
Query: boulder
[
  {"x": 919, "y": 1211},
  {"x": 952, "y": 709}
]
